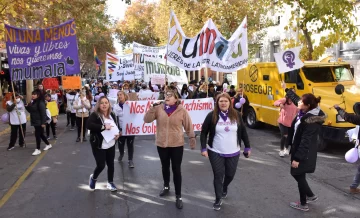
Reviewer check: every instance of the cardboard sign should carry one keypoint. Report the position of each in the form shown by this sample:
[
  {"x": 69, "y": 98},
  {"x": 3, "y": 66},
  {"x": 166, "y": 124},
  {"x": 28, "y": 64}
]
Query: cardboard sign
[
  {"x": 53, "y": 108},
  {"x": 134, "y": 112},
  {"x": 71, "y": 82},
  {"x": 158, "y": 79},
  {"x": 50, "y": 83}
]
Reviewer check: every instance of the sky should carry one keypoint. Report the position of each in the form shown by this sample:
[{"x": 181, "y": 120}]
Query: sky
[{"x": 116, "y": 9}]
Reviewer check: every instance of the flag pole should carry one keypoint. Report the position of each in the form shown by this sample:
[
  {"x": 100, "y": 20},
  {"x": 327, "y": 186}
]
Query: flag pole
[{"x": 17, "y": 112}]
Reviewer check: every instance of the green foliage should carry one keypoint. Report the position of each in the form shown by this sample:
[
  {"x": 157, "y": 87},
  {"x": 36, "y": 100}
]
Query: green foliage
[{"x": 319, "y": 17}]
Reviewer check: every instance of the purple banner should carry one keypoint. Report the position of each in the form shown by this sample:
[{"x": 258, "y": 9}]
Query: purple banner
[{"x": 42, "y": 53}]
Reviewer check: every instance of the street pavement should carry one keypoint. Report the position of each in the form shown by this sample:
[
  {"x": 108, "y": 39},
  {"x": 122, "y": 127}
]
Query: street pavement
[{"x": 55, "y": 184}]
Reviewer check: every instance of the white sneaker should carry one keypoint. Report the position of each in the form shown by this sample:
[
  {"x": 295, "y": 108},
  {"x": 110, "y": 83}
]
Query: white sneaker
[
  {"x": 286, "y": 152},
  {"x": 47, "y": 147},
  {"x": 36, "y": 152},
  {"x": 281, "y": 153}
]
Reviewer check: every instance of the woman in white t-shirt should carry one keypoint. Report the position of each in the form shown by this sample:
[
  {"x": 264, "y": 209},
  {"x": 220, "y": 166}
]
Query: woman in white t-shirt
[
  {"x": 14, "y": 120},
  {"x": 225, "y": 129},
  {"x": 104, "y": 151}
]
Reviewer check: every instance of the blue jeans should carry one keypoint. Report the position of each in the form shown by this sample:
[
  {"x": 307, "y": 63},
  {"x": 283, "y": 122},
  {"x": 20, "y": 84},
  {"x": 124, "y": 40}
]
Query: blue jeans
[{"x": 356, "y": 181}]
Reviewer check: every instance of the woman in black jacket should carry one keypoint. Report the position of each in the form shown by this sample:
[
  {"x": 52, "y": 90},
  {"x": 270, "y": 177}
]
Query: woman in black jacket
[
  {"x": 225, "y": 129},
  {"x": 302, "y": 137},
  {"x": 104, "y": 151},
  {"x": 354, "y": 119},
  {"x": 38, "y": 118},
  {"x": 245, "y": 107}
]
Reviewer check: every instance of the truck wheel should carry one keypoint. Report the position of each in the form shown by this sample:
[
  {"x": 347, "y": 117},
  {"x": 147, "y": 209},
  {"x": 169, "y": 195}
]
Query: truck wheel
[
  {"x": 321, "y": 143},
  {"x": 251, "y": 119}
]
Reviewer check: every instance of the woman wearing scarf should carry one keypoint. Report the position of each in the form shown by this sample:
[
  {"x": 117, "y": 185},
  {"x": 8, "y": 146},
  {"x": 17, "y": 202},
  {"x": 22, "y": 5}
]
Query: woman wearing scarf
[
  {"x": 171, "y": 118},
  {"x": 225, "y": 130},
  {"x": 82, "y": 106},
  {"x": 17, "y": 117},
  {"x": 118, "y": 110},
  {"x": 302, "y": 137}
]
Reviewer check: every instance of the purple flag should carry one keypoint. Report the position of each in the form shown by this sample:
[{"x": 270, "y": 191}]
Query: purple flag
[{"x": 42, "y": 53}]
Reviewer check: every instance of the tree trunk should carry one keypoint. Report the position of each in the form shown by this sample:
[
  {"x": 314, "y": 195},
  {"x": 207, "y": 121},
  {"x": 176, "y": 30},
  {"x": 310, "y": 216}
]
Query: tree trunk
[{"x": 309, "y": 44}]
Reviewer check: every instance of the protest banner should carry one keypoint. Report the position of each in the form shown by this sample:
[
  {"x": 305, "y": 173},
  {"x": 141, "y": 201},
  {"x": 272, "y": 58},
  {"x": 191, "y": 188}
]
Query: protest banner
[
  {"x": 42, "y": 53},
  {"x": 141, "y": 96},
  {"x": 158, "y": 79},
  {"x": 50, "y": 83},
  {"x": 140, "y": 52},
  {"x": 208, "y": 49},
  {"x": 134, "y": 112},
  {"x": 157, "y": 66},
  {"x": 53, "y": 108},
  {"x": 71, "y": 82},
  {"x": 116, "y": 66}
]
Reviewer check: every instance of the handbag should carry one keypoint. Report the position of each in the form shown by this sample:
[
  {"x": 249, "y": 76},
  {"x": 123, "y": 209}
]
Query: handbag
[{"x": 5, "y": 118}]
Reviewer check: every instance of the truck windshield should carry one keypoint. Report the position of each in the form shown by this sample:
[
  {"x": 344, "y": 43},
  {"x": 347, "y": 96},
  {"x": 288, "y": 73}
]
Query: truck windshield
[
  {"x": 318, "y": 74},
  {"x": 343, "y": 74}
]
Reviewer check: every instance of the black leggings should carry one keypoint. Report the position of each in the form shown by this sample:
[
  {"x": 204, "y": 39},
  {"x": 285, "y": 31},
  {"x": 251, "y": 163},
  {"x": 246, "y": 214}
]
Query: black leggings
[
  {"x": 284, "y": 133},
  {"x": 224, "y": 169},
  {"x": 53, "y": 128},
  {"x": 71, "y": 117},
  {"x": 304, "y": 188},
  {"x": 173, "y": 154},
  {"x": 102, "y": 157},
  {"x": 78, "y": 124},
  {"x": 14, "y": 132},
  {"x": 130, "y": 145},
  {"x": 39, "y": 135}
]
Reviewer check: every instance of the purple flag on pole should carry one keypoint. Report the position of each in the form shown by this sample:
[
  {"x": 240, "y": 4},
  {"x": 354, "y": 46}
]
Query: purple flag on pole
[{"x": 42, "y": 53}]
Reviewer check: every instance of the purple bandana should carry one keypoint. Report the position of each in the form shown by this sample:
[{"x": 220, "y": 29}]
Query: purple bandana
[
  {"x": 121, "y": 105},
  {"x": 169, "y": 109},
  {"x": 300, "y": 115},
  {"x": 224, "y": 115}
]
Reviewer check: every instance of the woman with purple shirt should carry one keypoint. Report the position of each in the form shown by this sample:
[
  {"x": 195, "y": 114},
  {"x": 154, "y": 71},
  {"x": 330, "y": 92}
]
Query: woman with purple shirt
[{"x": 226, "y": 129}]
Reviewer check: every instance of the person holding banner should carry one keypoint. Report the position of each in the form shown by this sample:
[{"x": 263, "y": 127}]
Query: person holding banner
[
  {"x": 82, "y": 106},
  {"x": 224, "y": 129},
  {"x": 171, "y": 117},
  {"x": 38, "y": 117},
  {"x": 17, "y": 118},
  {"x": 104, "y": 151},
  {"x": 118, "y": 110}
]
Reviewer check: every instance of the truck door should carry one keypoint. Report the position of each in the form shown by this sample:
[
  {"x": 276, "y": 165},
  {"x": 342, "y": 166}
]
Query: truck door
[
  {"x": 293, "y": 80},
  {"x": 271, "y": 87}
]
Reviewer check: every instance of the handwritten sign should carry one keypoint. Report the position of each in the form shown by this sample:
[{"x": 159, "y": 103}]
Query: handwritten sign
[
  {"x": 71, "y": 82},
  {"x": 42, "y": 53},
  {"x": 158, "y": 79},
  {"x": 50, "y": 83}
]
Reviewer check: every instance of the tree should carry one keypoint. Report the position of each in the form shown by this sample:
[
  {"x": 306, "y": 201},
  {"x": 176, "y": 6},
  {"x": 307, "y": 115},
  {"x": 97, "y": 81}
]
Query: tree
[
  {"x": 321, "y": 17},
  {"x": 138, "y": 24}
]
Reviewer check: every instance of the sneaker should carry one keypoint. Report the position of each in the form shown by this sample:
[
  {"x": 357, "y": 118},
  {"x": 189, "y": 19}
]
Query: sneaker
[
  {"x": 10, "y": 148},
  {"x": 47, "y": 147},
  {"x": 21, "y": 146},
  {"x": 286, "y": 152},
  {"x": 298, "y": 206},
  {"x": 78, "y": 140},
  {"x": 111, "y": 187},
  {"x": 67, "y": 124},
  {"x": 281, "y": 153},
  {"x": 120, "y": 157},
  {"x": 179, "y": 203},
  {"x": 72, "y": 128},
  {"x": 48, "y": 137},
  {"x": 55, "y": 137},
  {"x": 217, "y": 204},
  {"x": 164, "y": 192},
  {"x": 354, "y": 191},
  {"x": 131, "y": 164},
  {"x": 312, "y": 199},
  {"x": 36, "y": 152},
  {"x": 92, "y": 182},
  {"x": 224, "y": 195}
]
